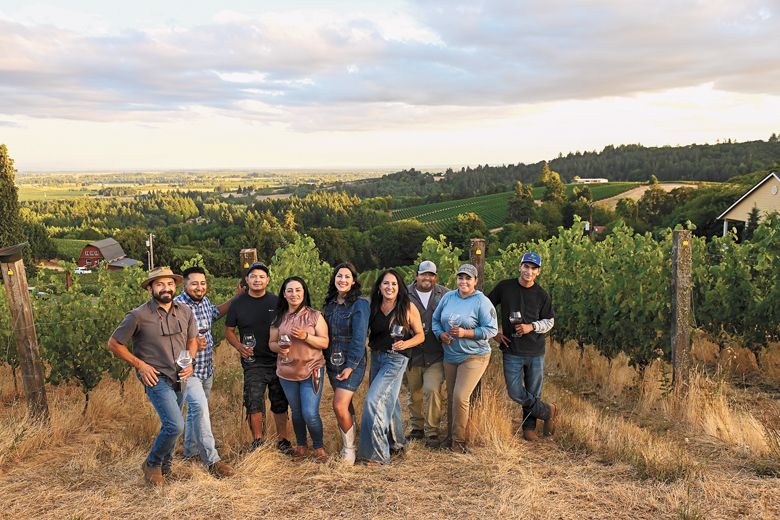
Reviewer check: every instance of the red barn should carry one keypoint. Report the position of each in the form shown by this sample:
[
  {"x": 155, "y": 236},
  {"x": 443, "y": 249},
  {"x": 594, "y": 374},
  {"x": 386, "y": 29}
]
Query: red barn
[{"x": 107, "y": 250}]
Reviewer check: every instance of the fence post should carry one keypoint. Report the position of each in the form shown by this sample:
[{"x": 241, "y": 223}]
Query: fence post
[
  {"x": 15, "y": 281},
  {"x": 477, "y": 259},
  {"x": 681, "y": 309}
]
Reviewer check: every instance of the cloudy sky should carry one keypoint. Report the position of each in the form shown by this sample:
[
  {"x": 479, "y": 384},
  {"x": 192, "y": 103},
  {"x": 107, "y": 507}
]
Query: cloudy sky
[{"x": 149, "y": 84}]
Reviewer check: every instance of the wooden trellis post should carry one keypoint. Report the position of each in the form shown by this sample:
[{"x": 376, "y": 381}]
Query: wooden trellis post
[
  {"x": 681, "y": 308},
  {"x": 15, "y": 281}
]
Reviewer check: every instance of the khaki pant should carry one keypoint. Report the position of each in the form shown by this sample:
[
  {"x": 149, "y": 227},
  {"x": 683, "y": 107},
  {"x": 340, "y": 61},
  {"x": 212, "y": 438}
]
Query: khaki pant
[
  {"x": 425, "y": 395},
  {"x": 461, "y": 380}
]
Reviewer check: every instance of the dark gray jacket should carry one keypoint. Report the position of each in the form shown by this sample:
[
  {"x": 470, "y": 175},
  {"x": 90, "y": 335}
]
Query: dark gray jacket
[{"x": 430, "y": 351}]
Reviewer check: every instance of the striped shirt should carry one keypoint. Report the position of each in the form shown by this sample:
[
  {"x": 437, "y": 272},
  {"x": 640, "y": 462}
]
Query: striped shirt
[{"x": 205, "y": 312}]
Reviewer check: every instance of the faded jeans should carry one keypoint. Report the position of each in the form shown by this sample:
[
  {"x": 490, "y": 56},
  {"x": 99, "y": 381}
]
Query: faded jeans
[
  {"x": 305, "y": 408},
  {"x": 462, "y": 378},
  {"x": 198, "y": 438},
  {"x": 524, "y": 376},
  {"x": 168, "y": 403},
  {"x": 381, "y": 428}
]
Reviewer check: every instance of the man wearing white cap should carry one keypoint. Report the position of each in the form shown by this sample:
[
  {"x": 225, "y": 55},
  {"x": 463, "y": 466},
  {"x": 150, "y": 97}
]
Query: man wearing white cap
[{"x": 425, "y": 374}]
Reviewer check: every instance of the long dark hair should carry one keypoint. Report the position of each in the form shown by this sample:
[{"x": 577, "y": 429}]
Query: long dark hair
[
  {"x": 281, "y": 304},
  {"x": 402, "y": 301},
  {"x": 353, "y": 293}
]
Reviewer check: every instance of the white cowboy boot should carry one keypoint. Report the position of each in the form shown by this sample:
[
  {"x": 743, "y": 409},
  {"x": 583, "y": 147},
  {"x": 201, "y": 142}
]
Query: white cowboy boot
[{"x": 348, "y": 449}]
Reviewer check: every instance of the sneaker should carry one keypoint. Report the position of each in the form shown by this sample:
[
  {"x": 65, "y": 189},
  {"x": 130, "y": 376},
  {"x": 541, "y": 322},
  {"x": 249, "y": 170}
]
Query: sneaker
[
  {"x": 219, "y": 469},
  {"x": 285, "y": 447},
  {"x": 152, "y": 474},
  {"x": 530, "y": 435},
  {"x": 256, "y": 444},
  {"x": 432, "y": 442},
  {"x": 549, "y": 424},
  {"x": 416, "y": 434}
]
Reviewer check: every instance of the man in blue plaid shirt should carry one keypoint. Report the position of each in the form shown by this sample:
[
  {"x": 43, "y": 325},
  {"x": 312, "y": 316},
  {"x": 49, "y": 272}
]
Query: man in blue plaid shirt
[{"x": 198, "y": 438}]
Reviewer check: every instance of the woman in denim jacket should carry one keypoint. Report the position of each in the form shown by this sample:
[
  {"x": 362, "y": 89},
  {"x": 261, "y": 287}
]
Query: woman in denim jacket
[{"x": 347, "y": 316}]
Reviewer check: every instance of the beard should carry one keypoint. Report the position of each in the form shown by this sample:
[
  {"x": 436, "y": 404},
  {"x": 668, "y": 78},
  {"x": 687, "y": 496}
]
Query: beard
[{"x": 164, "y": 296}]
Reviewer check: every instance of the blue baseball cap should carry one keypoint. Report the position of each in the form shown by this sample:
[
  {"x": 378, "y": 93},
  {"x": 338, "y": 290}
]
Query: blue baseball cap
[{"x": 532, "y": 258}]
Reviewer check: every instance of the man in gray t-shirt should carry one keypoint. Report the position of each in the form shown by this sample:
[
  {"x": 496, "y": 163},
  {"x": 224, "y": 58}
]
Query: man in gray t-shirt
[{"x": 160, "y": 329}]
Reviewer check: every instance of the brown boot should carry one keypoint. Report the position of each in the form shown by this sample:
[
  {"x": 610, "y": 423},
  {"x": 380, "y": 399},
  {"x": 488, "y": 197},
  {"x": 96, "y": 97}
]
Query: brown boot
[
  {"x": 300, "y": 454},
  {"x": 549, "y": 424},
  {"x": 460, "y": 447},
  {"x": 220, "y": 469},
  {"x": 320, "y": 455},
  {"x": 153, "y": 474},
  {"x": 530, "y": 435}
]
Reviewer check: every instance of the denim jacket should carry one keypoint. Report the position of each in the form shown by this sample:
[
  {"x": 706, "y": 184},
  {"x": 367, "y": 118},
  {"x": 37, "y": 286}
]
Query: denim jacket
[{"x": 347, "y": 329}]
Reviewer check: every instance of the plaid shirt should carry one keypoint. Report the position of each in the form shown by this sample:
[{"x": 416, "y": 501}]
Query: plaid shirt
[{"x": 205, "y": 312}]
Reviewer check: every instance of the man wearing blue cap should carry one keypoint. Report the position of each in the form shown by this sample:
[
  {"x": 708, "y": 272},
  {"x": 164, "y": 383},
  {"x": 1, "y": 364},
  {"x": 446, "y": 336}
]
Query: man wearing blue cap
[{"x": 526, "y": 311}]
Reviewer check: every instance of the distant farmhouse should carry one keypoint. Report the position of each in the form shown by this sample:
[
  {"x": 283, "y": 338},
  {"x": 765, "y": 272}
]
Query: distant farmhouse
[
  {"x": 593, "y": 180},
  {"x": 765, "y": 196},
  {"x": 107, "y": 250}
]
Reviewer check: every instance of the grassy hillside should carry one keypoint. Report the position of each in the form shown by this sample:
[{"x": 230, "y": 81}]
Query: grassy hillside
[{"x": 492, "y": 208}]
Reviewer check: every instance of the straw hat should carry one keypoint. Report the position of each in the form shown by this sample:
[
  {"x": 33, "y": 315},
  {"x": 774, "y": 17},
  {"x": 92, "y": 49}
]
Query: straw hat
[{"x": 161, "y": 272}]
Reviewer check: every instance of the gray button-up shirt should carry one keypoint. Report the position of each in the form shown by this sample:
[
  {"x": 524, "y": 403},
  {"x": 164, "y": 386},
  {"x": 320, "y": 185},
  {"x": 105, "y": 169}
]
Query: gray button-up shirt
[{"x": 158, "y": 336}]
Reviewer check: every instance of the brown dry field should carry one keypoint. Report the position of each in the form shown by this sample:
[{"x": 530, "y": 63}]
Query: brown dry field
[{"x": 624, "y": 449}]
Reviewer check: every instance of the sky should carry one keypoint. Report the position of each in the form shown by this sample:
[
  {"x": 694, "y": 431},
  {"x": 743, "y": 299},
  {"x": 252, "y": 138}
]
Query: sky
[{"x": 145, "y": 85}]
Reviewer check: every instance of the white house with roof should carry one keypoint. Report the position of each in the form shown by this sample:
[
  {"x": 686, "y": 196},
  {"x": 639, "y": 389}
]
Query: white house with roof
[{"x": 765, "y": 196}]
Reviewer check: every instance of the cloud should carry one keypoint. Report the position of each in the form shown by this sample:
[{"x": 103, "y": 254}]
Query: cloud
[{"x": 440, "y": 59}]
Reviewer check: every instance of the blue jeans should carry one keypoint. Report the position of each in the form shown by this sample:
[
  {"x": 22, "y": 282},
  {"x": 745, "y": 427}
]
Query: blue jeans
[
  {"x": 198, "y": 439},
  {"x": 167, "y": 402},
  {"x": 523, "y": 376},
  {"x": 305, "y": 407},
  {"x": 381, "y": 428}
]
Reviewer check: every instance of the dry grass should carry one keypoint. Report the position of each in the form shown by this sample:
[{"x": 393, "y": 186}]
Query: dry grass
[{"x": 598, "y": 467}]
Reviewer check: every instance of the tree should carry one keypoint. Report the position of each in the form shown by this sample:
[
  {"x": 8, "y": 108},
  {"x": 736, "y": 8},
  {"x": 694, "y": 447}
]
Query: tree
[
  {"x": 11, "y": 225},
  {"x": 554, "y": 190},
  {"x": 752, "y": 222},
  {"x": 521, "y": 204}
]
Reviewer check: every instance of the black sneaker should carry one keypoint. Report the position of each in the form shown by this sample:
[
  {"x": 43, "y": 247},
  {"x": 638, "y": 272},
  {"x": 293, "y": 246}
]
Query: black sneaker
[
  {"x": 432, "y": 442},
  {"x": 416, "y": 434},
  {"x": 256, "y": 444},
  {"x": 285, "y": 447}
]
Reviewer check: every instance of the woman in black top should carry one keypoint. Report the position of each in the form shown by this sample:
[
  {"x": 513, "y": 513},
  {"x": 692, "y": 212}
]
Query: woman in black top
[{"x": 381, "y": 430}]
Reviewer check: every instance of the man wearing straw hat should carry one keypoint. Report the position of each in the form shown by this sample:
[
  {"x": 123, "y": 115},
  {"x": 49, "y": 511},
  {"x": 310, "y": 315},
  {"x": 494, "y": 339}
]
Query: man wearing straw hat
[{"x": 159, "y": 329}]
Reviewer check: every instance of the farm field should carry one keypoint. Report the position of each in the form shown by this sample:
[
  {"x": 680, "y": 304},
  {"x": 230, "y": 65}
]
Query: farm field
[
  {"x": 69, "y": 248},
  {"x": 492, "y": 208}
]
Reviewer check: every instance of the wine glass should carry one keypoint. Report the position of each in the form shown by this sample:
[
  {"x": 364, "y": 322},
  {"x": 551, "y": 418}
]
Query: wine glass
[
  {"x": 285, "y": 342},
  {"x": 184, "y": 359},
  {"x": 337, "y": 358},
  {"x": 454, "y": 320},
  {"x": 397, "y": 331},
  {"x": 250, "y": 341},
  {"x": 515, "y": 318}
]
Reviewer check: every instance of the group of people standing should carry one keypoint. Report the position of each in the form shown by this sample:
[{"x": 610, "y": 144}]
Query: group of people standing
[{"x": 421, "y": 332}]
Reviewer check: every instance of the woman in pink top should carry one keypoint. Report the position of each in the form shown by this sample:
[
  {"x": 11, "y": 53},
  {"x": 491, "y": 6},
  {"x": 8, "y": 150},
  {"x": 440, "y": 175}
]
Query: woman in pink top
[{"x": 299, "y": 334}]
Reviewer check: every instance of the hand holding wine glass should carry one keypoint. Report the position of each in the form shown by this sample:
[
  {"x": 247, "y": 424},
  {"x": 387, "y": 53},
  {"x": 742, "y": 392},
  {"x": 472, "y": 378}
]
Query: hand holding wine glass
[
  {"x": 515, "y": 318},
  {"x": 184, "y": 360},
  {"x": 249, "y": 341},
  {"x": 397, "y": 332},
  {"x": 284, "y": 345},
  {"x": 454, "y": 321}
]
